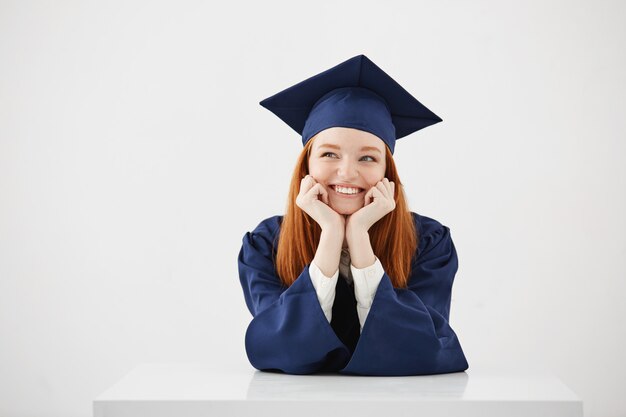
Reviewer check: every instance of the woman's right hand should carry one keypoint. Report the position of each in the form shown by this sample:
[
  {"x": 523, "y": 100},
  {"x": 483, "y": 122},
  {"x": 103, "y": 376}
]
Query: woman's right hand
[{"x": 309, "y": 200}]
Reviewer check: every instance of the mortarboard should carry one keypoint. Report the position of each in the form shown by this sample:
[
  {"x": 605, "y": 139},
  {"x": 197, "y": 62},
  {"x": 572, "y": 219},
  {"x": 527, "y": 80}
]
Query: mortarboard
[{"x": 355, "y": 93}]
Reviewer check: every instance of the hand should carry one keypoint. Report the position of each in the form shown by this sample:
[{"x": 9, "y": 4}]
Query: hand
[
  {"x": 309, "y": 200},
  {"x": 379, "y": 200}
]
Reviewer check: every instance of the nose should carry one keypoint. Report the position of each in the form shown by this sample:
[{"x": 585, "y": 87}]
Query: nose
[{"x": 348, "y": 170}]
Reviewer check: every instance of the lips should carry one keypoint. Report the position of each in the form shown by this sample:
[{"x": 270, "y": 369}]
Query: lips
[{"x": 360, "y": 190}]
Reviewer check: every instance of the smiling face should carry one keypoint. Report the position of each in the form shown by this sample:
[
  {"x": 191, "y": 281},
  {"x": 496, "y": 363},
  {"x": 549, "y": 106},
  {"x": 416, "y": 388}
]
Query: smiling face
[{"x": 347, "y": 162}]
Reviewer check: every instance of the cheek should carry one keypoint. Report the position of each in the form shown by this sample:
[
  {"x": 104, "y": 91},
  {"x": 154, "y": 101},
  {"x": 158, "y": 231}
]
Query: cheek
[
  {"x": 374, "y": 179},
  {"x": 317, "y": 172}
]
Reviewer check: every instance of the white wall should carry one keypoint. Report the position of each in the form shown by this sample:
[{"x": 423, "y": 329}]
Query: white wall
[{"x": 134, "y": 156}]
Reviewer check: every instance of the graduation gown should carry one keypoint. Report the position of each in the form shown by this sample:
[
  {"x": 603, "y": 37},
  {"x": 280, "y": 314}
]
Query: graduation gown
[{"x": 406, "y": 331}]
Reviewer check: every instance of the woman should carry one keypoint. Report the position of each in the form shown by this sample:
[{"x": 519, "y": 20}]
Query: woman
[{"x": 387, "y": 314}]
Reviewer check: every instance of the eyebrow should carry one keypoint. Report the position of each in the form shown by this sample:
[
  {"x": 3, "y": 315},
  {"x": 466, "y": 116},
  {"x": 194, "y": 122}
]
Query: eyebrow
[{"x": 364, "y": 148}]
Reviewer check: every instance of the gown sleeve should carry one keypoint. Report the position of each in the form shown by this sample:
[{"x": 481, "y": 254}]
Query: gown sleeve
[
  {"x": 289, "y": 331},
  {"x": 366, "y": 282},
  {"x": 325, "y": 289},
  {"x": 407, "y": 330}
]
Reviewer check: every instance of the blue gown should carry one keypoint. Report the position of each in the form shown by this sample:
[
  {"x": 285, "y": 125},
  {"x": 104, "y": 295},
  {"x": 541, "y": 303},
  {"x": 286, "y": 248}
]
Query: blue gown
[{"x": 406, "y": 331}]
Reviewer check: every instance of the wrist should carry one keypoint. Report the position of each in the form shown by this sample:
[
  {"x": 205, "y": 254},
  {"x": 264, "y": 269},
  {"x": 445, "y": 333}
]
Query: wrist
[
  {"x": 333, "y": 233},
  {"x": 361, "y": 252},
  {"x": 334, "y": 228},
  {"x": 356, "y": 234}
]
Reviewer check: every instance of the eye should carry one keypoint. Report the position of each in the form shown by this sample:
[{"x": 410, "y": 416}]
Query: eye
[{"x": 372, "y": 159}]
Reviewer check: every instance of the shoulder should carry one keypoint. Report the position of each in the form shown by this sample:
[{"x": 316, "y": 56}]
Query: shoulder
[
  {"x": 263, "y": 239},
  {"x": 268, "y": 230},
  {"x": 426, "y": 225},
  {"x": 269, "y": 226},
  {"x": 430, "y": 231}
]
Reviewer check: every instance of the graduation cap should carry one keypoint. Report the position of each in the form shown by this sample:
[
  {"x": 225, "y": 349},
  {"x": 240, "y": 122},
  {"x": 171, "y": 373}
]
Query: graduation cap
[{"x": 357, "y": 94}]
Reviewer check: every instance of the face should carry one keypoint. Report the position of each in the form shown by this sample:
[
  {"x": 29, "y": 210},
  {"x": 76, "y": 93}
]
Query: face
[{"x": 351, "y": 159}]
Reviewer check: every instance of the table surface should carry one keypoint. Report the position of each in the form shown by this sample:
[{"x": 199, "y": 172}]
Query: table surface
[{"x": 198, "y": 384}]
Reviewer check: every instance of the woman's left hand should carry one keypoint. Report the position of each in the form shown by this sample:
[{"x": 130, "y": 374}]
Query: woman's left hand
[{"x": 379, "y": 201}]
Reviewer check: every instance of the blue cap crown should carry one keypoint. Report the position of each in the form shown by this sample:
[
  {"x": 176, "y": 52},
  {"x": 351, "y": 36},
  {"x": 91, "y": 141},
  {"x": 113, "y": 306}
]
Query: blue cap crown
[{"x": 355, "y": 93}]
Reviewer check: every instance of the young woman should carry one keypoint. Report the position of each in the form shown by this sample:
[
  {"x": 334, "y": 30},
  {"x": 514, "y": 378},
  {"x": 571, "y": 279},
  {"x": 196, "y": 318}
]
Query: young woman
[{"x": 350, "y": 280}]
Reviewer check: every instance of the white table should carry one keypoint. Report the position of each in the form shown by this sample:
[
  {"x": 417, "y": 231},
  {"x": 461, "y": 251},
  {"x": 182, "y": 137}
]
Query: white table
[{"x": 187, "y": 389}]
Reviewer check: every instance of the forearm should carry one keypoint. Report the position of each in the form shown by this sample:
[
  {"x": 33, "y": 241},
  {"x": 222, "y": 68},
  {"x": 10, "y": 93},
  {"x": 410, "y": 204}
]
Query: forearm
[
  {"x": 328, "y": 252},
  {"x": 361, "y": 252}
]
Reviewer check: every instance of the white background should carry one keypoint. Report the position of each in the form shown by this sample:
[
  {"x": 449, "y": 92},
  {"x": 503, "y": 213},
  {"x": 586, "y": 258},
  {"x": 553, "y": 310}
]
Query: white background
[{"x": 134, "y": 156}]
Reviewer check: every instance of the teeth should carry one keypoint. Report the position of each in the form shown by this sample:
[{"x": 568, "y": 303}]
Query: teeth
[{"x": 343, "y": 190}]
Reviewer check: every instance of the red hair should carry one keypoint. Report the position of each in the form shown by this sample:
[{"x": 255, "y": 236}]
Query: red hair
[{"x": 393, "y": 237}]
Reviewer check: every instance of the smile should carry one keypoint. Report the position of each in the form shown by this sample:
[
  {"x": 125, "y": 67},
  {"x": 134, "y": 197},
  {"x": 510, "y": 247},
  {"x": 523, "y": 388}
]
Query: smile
[{"x": 347, "y": 192}]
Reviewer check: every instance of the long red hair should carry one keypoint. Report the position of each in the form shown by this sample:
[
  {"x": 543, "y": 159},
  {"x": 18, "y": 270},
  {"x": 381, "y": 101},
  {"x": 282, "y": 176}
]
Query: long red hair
[{"x": 393, "y": 237}]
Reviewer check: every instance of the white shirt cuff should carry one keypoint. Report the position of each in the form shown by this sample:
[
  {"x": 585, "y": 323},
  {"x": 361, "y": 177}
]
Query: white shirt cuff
[
  {"x": 366, "y": 282},
  {"x": 325, "y": 289}
]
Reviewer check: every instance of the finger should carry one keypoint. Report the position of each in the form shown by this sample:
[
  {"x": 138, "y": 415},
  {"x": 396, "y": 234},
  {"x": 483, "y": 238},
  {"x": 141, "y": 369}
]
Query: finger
[
  {"x": 306, "y": 184},
  {"x": 376, "y": 194},
  {"x": 368, "y": 196},
  {"x": 312, "y": 191},
  {"x": 382, "y": 187},
  {"x": 315, "y": 191},
  {"x": 389, "y": 185},
  {"x": 386, "y": 189},
  {"x": 379, "y": 196},
  {"x": 324, "y": 193},
  {"x": 384, "y": 200}
]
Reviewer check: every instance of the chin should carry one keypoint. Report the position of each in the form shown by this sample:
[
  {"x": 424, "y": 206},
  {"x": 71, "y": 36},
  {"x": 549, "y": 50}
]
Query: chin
[{"x": 346, "y": 210}]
